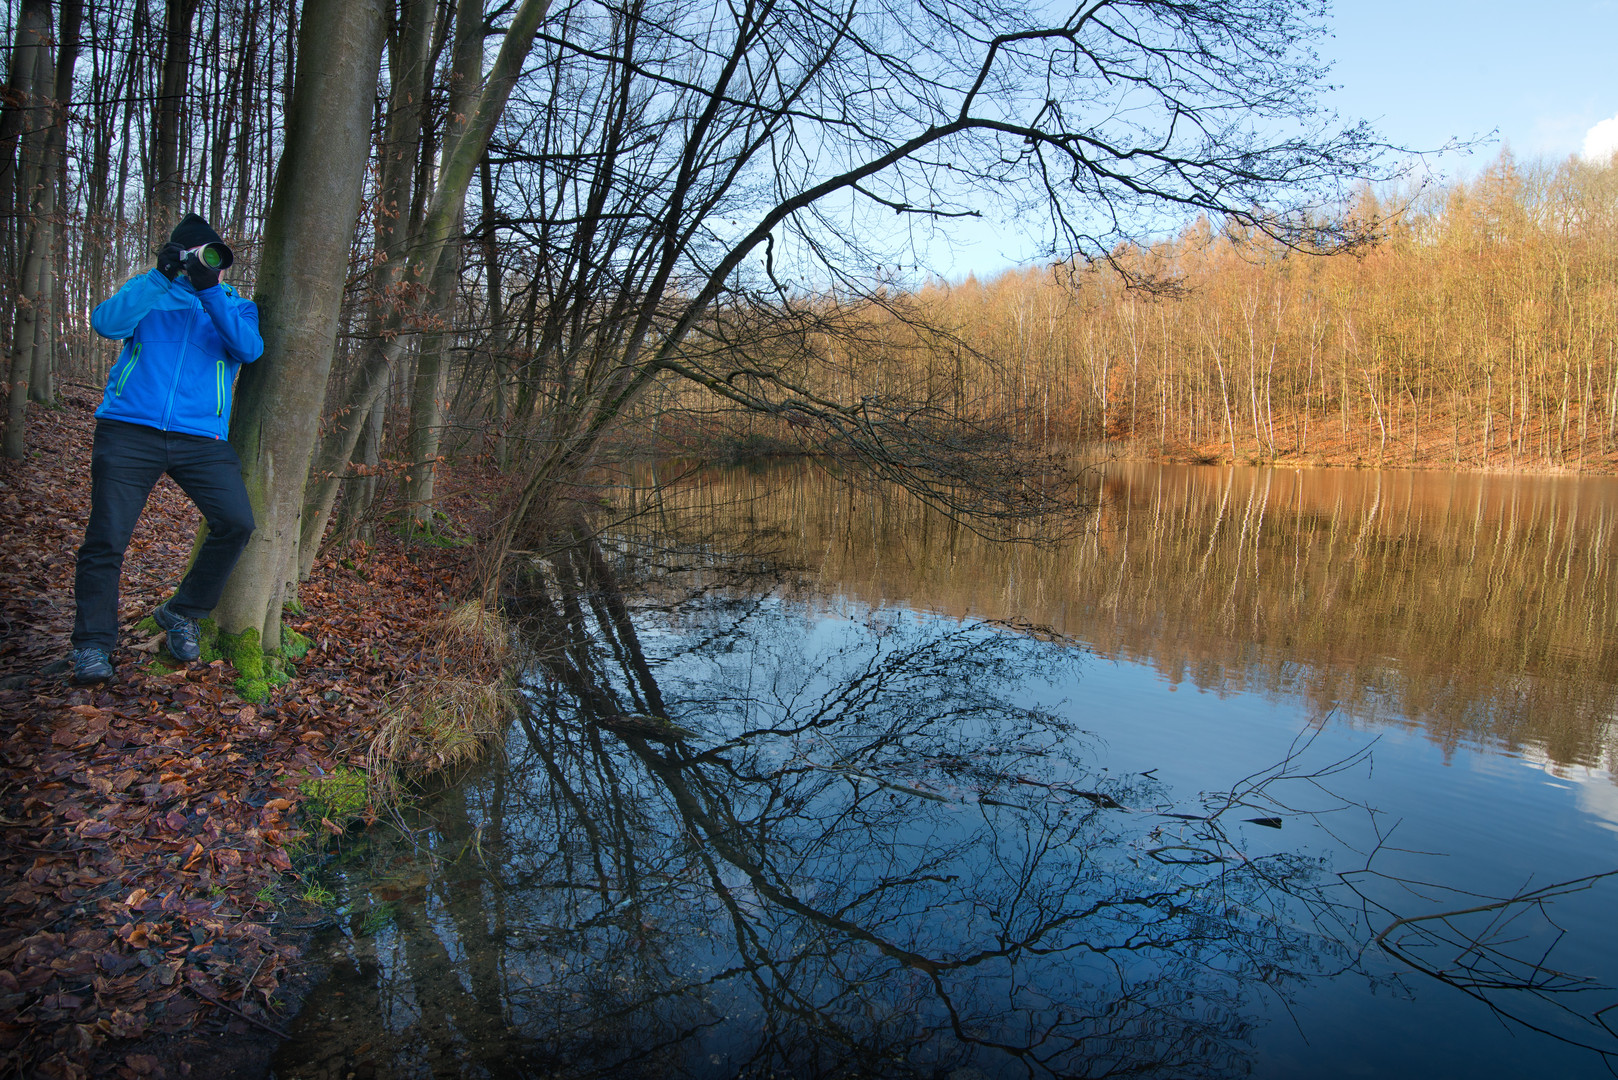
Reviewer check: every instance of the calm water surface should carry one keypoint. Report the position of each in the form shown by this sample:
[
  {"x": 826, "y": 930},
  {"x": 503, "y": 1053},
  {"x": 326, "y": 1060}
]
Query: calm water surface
[{"x": 1260, "y": 773}]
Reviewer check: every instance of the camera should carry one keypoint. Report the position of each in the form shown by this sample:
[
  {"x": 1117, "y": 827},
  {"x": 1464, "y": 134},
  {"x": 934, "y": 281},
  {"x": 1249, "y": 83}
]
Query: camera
[{"x": 214, "y": 256}]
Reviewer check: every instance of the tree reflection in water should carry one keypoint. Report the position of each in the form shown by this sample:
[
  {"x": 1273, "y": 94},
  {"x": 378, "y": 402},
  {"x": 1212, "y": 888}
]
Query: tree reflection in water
[{"x": 764, "y": 842}]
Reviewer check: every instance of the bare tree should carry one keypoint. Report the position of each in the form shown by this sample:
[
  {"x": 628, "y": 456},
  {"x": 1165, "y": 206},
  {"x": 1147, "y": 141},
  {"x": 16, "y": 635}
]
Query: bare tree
[
  {"x": 681, "y": 167},
  {"x": 39, "y": 181},
  {"x": 440, "y": 222},
  {"x": 164, "y": 180},
  {"x": 306, "y": 249}
]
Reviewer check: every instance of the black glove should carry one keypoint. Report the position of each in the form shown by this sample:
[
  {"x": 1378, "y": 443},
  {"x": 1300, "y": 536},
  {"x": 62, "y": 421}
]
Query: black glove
[
  {"x": 201, "y": 277},
  {"x": 169, "y": 259}
]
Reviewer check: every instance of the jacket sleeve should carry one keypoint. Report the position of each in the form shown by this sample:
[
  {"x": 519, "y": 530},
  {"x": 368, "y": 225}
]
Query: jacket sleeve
[
  {"x": 236, "y": 320},
  {"x": 116, "y": 316}
]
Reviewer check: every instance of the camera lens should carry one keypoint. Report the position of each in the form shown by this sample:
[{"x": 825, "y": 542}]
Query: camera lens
[{"x": 211, "y": 257}]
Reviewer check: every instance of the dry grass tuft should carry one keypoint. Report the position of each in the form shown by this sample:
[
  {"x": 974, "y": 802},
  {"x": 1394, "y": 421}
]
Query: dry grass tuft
[
  {"x": 474, "y": 633},
  {"x": 451, "y": 714}
]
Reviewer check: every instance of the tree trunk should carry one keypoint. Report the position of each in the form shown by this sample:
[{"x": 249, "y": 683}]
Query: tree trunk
[
  {"x": 163, "y": 205},
  {"x": 302, "y": 273},
  {"x": 432, "y": 368},
  {"x": 33, "y": 32},
  {"x": 498, "y": 338},
  {"x": 403, "y": 134},
  {"x": 37, "y": 198},
  {"x": 49, "y": 227},
  {"x": 246, "y": 110},
  {"x": 359, "y": 486},
  {"x": 42, "y": 384},
  {"x": 442, "y": 219},
  {"x": 19, "y": 114},
  {"x": 427, "y": 392},
  {"x": 97, "y": 239}
]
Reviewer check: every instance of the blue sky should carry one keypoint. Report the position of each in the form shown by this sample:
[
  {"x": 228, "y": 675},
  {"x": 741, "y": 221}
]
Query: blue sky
[{"x": 1544, "y": 74}]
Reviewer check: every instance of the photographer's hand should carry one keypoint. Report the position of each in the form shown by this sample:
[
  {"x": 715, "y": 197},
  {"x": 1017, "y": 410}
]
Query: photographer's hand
[
  {"x": 201, "y": 277},
  {"x": 169, "y": 260}
]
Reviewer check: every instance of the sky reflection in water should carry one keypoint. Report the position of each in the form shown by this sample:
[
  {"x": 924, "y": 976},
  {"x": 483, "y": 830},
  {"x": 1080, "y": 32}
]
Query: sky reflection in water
[{"x": 902, "y": 839}]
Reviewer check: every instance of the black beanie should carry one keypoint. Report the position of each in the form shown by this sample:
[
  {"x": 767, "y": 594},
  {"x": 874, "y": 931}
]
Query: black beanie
[{"x": 193, "y": 231}]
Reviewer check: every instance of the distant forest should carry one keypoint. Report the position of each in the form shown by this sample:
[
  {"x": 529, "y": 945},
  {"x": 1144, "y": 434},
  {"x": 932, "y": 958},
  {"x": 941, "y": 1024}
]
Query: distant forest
[{"x": 1479, "y": 328}]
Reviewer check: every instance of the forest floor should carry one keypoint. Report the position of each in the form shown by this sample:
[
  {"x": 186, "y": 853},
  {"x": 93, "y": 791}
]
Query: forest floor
[{"x": 149, "y": 915}]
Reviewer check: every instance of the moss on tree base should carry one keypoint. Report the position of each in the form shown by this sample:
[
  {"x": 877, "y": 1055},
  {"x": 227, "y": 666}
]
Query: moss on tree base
[{"x": 257, "y": 671}]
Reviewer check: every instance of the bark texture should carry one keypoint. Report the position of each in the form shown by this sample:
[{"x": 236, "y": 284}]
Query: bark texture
[
  {"x": 36, "y": 198},
  {"x": 432, "y": 367},
  {"x": 165, "y": 199},
  {"x": 305, "y": 261},
  {"x": 443, "y": 219}
]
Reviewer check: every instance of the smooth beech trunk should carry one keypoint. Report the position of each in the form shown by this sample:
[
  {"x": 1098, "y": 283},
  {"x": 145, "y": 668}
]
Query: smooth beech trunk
[
  {"x": 403, "y": 134},
  {"x": 47, "y": 228},
  {"x": 432, "y": 367},
  {"x": 427, "y": 391},
  {"x": 18, "y": 113},
  {"x": 300, "y": 292},
  {"x": 443, "y": 220}
]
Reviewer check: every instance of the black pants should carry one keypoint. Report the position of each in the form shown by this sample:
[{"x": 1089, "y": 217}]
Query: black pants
[{"x": 124, "y": 467}]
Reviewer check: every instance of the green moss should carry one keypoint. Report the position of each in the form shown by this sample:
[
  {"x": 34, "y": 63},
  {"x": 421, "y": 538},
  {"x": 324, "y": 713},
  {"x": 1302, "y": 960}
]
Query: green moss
[
  {"x": 338, "y": 797},
  {"x": 294, "y": 646},
  {"x": 209, "y": 640},
  {"x": 257, "y": 672},
  {"x": 292, "y": 606},
  {"x": 252, "y": 690},
  {"x": 246, "y": 655},
  {"x": 244, "y": 652}
]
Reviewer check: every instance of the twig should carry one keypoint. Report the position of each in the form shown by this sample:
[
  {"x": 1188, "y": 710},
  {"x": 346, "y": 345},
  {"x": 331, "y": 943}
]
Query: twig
[{"x": 277, "y": 1032}]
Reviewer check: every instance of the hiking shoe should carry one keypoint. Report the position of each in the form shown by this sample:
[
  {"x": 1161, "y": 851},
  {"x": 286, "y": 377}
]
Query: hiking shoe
[
  {"x": 91, "y": 665},
  {"x": 184, "y": 635}
]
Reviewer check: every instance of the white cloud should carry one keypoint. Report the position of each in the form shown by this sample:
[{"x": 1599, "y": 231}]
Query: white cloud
[{"x": 1601, "y": 141}]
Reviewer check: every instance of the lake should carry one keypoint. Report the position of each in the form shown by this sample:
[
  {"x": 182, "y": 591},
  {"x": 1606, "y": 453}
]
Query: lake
[{"x": 1255, "y": 772}]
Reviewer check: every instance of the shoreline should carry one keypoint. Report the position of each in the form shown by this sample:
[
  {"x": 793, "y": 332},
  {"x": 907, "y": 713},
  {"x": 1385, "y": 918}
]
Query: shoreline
[
  {"x": 720, "y": 447},
  {"x": 1300, "y": 464}
]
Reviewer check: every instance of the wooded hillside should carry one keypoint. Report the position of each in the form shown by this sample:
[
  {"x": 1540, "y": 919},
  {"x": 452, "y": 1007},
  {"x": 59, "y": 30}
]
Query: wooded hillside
[{"x": 1479, "y": 330}]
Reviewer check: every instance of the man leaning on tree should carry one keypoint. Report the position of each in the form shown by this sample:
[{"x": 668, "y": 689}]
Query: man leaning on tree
[{"x": 166, "y": 409}]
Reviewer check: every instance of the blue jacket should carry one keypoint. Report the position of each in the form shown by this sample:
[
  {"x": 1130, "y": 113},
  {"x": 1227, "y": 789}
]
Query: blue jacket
[{"x": 181, "y": 352}]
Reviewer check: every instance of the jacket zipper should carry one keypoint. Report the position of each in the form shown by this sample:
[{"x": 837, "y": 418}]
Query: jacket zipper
[
  {"x": 219, "y": 387},
  {"x": 134, "y": 358},
  {"x": 179, "y": 365}
]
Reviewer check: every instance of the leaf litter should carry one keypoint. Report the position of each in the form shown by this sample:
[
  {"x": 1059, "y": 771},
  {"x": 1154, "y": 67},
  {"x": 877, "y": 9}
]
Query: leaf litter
[{"x": 143, "y": 819}]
